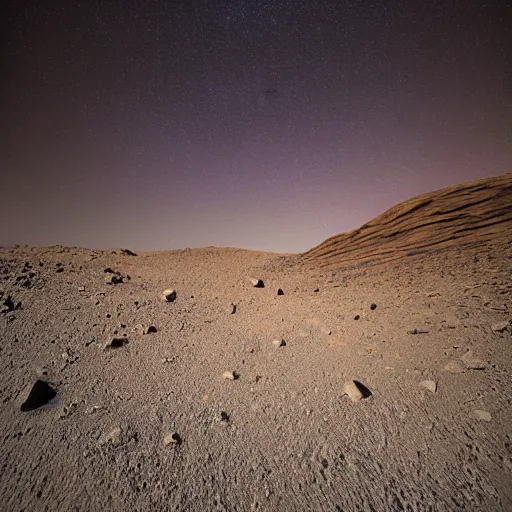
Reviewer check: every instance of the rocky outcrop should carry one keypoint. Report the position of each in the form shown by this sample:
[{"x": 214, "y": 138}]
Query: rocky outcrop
[{"x": 472, "y": 213}]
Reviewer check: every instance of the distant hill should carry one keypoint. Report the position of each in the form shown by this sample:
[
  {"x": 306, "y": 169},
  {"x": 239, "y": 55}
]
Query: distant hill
[{"x": 471, "y": 213}]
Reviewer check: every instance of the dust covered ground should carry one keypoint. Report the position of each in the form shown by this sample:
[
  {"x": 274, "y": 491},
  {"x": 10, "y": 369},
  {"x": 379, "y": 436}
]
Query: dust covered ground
[{"x": 282, "y": 436}]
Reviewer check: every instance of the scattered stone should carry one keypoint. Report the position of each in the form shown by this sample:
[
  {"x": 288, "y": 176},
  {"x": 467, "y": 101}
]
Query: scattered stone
[
  {"x": 224, "y": 416},
  {"x": 279, "y": 342},
  {"x": 316, "y": 290},
  {"x": 357, "y": 317},
  {"x": 233, "y": 309},
  {"x": 173, "y": 438},
  {"x": 67, "y": 410},
  {"x": 116, "y": 343},
  {"x": 113, "y": 437},
  {"x": 501, "y": 326},
  {"x": 139, "y": 329},
  {"x": 108, "y": 270},
  {"x": 9, "y": 305},
  {"x": 230, "y": 376},
  {"x": 417, "y": 331},
  {"x": 280, "y": 291},
  {"x": 169, "y": 295},
  {"x": 355, "y": 390},
  {"x": 40, "y": 394},
  {"x": 325, "y": 330},
  {"x": 115, "y": 280},
  {"x": 373, "y": 306},
  {"x": 81, "y": 288},
  {"x": 128, "y": 252},
  {"x": 472, "y": 362},
  {"x": 257, "y": 283},
  {"x": 430, "y": 385},
  {"x": 482, "y": 415},
  {"x": 151, "y": 329},
  {"x": 454, "y": 367}
]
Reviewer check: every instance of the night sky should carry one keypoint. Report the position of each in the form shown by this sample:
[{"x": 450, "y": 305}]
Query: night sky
[{"x": 260, "y": 124}]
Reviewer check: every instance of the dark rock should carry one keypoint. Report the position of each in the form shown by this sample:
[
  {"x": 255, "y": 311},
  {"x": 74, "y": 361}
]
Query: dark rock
[
  {"x": 128, "y": 252},
  {"x": 116, "y": 343},
  {"x": 280, "y": 292},
  {"x": 151, "y": 329},
  {"x": 373, "y": 306},
  {"x": 357, "y": 317},
  {"x": 257, "y": 283},
  {"x": 40, "y": 394}
]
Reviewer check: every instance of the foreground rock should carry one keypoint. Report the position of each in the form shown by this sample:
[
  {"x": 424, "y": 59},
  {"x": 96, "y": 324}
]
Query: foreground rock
[
  {"x": 169, "y": 295},
  {"x": 355, "y": 390},
  {"x": 40, "y": 394}
]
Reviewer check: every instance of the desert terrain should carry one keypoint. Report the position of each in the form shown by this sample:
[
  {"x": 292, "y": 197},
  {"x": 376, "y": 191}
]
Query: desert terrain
[{"x": 235, "y": 397}]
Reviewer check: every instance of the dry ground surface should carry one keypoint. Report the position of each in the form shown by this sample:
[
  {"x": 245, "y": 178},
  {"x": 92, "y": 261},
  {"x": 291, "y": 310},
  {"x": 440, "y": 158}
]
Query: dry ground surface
[{"x": 282, "y": 436}]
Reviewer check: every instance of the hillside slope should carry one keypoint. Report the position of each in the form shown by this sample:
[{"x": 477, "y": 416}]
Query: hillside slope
[{"x": 470, "y": 213}]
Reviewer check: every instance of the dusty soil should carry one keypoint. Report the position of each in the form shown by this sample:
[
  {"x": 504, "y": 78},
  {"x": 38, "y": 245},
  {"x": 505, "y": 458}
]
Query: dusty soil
[
  {"x": 147, "y": 421},
  {"x": 289, "y": 439}
]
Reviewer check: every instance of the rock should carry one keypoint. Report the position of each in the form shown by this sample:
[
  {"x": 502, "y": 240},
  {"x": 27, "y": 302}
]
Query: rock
[
  {"x": 355, "y": 390},
  {"x": 81, "y": 288},
  {"x": 501, "y": 326},
  {"x": 224, "y": 416},
  {"x": 233, "y": 309},
  {"x": 454, "y": 367},
  {"x": 471, "y": 362},
  {"x": 316, "y": 290},
  {"x": 279, "y": 343},
  {"x": 139, "y": 329},
  {"x": 417, "y": 331},
  {"x": 230, "y": 376},
  {"x": 127, "y": 252},
  {"x": 151, "y": 329},
  {"x": 116, "y": 343},
  {"x": 9, "y": 305},
  {"x": 113, "y": 437},
  {"x": 173, "y": 438},
  {"x": 40, "y": 394},
  {"x": 325, "y": 330},
  {"x": 115, "y": 280},
  {"x": 430, "y": 385},
  {"x": 482, "y": 415},
  {"x": 373, "y": 306},
  {"x": 257, "y": 283},
  {"x": 357, "y": 317},
  {"x": 169, "y": 295},
  {"x": 280, "y": 292}
]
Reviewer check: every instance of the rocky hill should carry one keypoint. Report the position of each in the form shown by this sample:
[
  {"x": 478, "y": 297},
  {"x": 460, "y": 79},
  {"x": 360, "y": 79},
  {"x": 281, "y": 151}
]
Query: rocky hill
[{"x": 471, "y": 213}]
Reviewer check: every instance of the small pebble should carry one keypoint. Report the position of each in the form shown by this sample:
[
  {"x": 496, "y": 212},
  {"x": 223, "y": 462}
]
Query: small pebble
[
  {"x": 169, "y": 295},
  {"x": 172, "y": 439},
  {"x": 229, "y": 376},
  {"x": 279, "y": 343},
  {"x": 482, "y": 415},
  {"x": 373, "y": 306},
  {"x": 430, "y": 385}
]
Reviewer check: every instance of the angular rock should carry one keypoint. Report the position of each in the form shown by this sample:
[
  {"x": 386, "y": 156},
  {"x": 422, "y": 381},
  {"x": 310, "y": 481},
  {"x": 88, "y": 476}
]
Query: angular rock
[
  {"x": 169, "y": 295},
  {"x": 257, "y": 283},
  {"x": 151, "y": 329},
  {"x": 501, "y": 326},
  {"x": 430, "y": 385},
  {"x": 173, "y": 438},
  {"x": 279, "y": 342},
  {"x": 40, "y": 394},
  {"x": 482, "y": 415},
  {"x": 373, "y": 306},
  {"x": 113, "y": 437},
  {"x": 472, "y": 362},
  {"x": 229, "y": 375},
  {"x": 280, "y": 291},
  {"x": 355, "y": 390},
  {"x": 233, "y": 309},
  {"x": 116, "y": 343},
  {"x": 115, "y": 280},
  {"x": 454, "y": 367}
]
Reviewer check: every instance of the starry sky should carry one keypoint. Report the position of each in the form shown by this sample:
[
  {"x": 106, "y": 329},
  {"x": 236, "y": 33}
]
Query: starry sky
[{"x": 261, "y": 124}]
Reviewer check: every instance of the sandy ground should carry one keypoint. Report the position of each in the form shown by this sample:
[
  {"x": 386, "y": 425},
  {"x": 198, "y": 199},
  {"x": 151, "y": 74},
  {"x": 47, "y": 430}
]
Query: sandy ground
[{"x": 283, "y": 436}]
